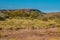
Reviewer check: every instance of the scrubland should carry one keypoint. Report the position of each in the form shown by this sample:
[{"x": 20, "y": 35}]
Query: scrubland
[{"x": 30, "y": 27}]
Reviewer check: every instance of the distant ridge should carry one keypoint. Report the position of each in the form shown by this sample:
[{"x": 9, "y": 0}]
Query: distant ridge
[
  {"x": 16, "y": 10},
  {"x": 23, "y": 13}
]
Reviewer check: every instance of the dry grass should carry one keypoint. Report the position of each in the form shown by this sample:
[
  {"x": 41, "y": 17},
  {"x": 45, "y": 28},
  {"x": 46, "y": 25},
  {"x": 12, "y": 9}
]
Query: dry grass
[{"x": 27, "y": 23}]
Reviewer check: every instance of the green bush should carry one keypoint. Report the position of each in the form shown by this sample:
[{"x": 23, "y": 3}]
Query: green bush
[{"x": 22, "y": 14}]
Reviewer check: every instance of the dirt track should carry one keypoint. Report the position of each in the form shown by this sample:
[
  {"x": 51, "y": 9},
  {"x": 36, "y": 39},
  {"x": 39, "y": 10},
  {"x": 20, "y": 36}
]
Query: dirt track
[{"x": 36, "y": 34}]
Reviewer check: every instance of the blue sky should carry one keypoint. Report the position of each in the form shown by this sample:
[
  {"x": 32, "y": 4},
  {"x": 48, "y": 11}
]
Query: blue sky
[{"x": 43, "y": 5}]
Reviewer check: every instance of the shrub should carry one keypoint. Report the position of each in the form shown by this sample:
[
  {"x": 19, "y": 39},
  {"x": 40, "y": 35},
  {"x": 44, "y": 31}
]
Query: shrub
[
  {"x": 51, "y": 18},
  {"x": 17, "y": 29},
  {"x": 11, "y": 28},
  {"x": 52, "y": 25},
  {"x": 6, "y": 16},
  {"x": 33, "y": 27},
  {"x": 2, "y": 19},
  {"x": 3, "y": 35},
  {"x": 0, "y": 36},
  {"x": 58, "y": 26},
  {"x": 0, "y": 28},
  {"x": 44, "y": 18},
  {"x": 57, "y": 20}
]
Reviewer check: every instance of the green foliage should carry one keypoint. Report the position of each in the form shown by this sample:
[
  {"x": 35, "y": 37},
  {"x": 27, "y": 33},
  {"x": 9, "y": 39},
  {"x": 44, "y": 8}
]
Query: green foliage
[{"x": 22, "y": 14}]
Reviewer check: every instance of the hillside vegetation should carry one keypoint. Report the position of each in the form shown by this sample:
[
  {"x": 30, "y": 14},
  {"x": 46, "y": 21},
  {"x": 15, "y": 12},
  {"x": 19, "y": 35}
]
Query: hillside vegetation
[{"x": 23, "y": 13}]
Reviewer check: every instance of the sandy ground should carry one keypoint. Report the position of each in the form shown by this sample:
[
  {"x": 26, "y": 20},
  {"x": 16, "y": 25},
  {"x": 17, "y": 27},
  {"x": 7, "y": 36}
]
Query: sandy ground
[{"x": 30, "y": 34}]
